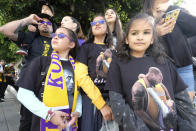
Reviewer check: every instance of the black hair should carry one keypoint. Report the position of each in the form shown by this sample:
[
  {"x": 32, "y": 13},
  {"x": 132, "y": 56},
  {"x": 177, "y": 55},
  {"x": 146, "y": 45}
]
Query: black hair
[
  {"x": 78, "y": 31},
  {"x": 108, "y": 38},
  {"x": 148, "y": 6},
  {"x": 155, "y": 50},
  {"x": 118, "y": 32},
  {"x": 72, "y": 35}
]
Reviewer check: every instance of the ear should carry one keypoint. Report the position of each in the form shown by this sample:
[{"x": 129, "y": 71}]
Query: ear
[
  {"x": 72, "y": 45},
  {"x": 74, "y": 26},
  {"x": 126, "y": 41}
]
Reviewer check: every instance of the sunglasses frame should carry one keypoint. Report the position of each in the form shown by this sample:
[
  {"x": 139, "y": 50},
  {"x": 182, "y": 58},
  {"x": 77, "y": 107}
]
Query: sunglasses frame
[
  {"x": 93, "y": 23},
  {"x": 60, "y": 36},
  {"x": 43, "y": 22}
]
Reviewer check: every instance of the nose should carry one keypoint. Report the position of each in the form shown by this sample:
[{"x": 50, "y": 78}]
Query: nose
[{"x": 140, "y": 36}]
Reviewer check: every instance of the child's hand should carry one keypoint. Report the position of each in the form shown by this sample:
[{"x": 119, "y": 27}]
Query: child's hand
[
  {"x": 58, "y": 119},
  {"x": 74, "y": 117},
  {"x": 164, "y": 28}
]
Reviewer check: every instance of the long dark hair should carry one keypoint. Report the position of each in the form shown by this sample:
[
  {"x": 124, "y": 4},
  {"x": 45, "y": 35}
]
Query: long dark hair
[
  {"x": 108, "y": 38},
  {"x": 118, "y": 31},
  {"x": 79, "y": 31},
  {"x": 155, "y": 50},
  {"x": 72, "y": 35},
  {"x": 148, "y": 6}
]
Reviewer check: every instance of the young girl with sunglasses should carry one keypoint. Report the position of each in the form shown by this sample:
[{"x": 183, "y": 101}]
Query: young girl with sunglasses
[
  {"x": 115, "y": 25},
  {"x": 93, "y": 51},
  {"x": 56, "y": 102},
  {"x": 139, "y": 54}
]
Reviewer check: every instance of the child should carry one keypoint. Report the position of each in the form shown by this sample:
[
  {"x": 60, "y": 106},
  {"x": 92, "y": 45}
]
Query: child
[
  {"x": 59, "y": 97},
  {"x": 115, "y": 25},
  {"x": 71, "y": 23},
  {"x": 140, "y": 52},
  {"x": 99, "y": 39},
  {"x": 175, "y": 42},
  {"x": 46, "y": 8}
]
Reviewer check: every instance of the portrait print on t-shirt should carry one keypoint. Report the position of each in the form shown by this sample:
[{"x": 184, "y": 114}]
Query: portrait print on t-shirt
[
  {"x": 69, "y": 79},
  {"x": 102, "y": 66},
  {"x": 151, "y": 97}
]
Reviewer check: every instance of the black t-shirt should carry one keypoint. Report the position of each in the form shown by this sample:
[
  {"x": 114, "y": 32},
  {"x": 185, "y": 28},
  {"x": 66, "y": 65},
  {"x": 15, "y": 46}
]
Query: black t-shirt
[
  {"x": 122, "y": 75},
  {"x": 88, "y": 55},
  {"x": 176, "y": 43},
  {"x": 34, "y": 80},
  {"x": 38, "y": 46}
]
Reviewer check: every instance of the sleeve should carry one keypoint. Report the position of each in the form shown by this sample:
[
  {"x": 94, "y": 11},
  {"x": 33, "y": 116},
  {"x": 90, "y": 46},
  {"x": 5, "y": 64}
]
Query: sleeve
[
  {"x": 187, "y": 23},
  {"x": 124, "y": 115},
  {"x": 79, "y": 105},
  {"x": 25, "y": 38},
  {"x": 114, "y": 82},
  {"x": 178, "y": 83},
  {"x": 84, "y": 81},
  {"x": 31, "y": 75},
  {"x": 83, "y": 54},
  {"x": 31, "y": 102}
]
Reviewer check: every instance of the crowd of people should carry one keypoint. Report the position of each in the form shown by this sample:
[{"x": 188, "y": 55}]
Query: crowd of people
[{"x": 139, "y": 79}]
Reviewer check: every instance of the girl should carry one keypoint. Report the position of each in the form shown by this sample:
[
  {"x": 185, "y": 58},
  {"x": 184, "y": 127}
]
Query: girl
[
  {"x": 152, "y": 96},
  {"x": 71, "y": 23},
  {"x": 90, "y": 62},
  {"x": 115, "y": 25},
  {"x": 59, "y": 98},
  {"x": 175, "y": 42}
]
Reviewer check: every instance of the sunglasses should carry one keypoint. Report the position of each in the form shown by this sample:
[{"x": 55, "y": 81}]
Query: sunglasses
[
  {"x": 61, "y": 36},
  {"x": 95, "y": 22},
  {"x": 43, "y": 22}
]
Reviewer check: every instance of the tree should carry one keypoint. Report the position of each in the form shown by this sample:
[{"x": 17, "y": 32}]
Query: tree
[{"x": 83, "y": 10}]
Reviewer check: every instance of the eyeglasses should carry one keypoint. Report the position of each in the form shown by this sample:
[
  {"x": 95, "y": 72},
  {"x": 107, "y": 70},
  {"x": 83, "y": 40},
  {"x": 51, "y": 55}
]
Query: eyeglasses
[
  {"x": 61, "y": 36},
  {"x": 95, "y": 22},
  {"x": 43, "y": 22}
]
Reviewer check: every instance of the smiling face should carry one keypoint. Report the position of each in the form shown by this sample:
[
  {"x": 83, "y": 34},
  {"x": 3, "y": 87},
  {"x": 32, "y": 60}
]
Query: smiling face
[
  {"x": 110, "y": 16},
  {"x": 140, "y": 37},
  {"x": 62, "y": 44},
  {"x": 99, "y": 28},
  {"x": 67, "y": 22}
]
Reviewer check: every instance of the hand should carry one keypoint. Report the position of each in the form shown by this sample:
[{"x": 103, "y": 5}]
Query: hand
[
  {"x": 58, "y": 119},
  {"x": 164, "y": 28},
  {"x": 32, "y": 19},
  {"x": 31, "y": 28},
  {"x": 106, "y": 112},
  {"x": 74, "y": 117}
]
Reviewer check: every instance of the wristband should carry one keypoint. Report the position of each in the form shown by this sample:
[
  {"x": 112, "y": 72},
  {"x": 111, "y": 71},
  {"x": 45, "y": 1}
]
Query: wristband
[{"x": 50, "y": 114}]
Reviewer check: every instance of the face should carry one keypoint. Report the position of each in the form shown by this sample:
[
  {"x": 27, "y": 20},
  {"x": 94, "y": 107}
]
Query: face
[
  {"x": 44, "y": 27},
  {"x": 110, "y": 16},
  {"x": 140, "y": 37},
  {"x": 62, "y": 44},
  {"x": 99, "y": 27},
  {"x": 159, "y": 8},
  {"x": 67, "y": 22},
  {"x": 46, "y": 10}
]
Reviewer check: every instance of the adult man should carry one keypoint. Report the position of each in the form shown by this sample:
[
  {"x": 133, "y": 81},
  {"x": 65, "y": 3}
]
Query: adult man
[{"x": 39, "y": 42}]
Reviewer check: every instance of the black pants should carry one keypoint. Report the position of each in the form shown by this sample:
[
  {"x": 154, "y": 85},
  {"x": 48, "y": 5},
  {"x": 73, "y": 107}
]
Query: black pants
[
  {"x": 25, "y": 120},
  {"x": 3, "y": 86}
]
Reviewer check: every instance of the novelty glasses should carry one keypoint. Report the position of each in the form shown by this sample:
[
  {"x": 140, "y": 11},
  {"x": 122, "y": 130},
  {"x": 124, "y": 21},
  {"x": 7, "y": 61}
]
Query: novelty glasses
[
  {"x": 43, "y": 22},
  {"x": 95, "y": 22},
  {"x": 61, "y": 36}
]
